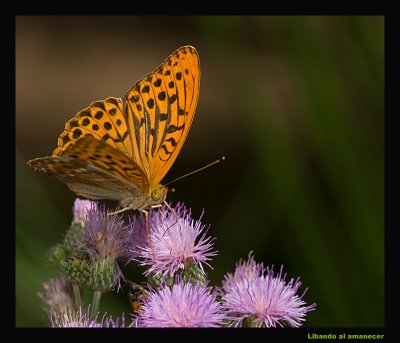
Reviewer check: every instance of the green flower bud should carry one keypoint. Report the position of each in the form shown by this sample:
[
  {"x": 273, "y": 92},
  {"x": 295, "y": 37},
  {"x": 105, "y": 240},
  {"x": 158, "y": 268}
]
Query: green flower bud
[
  {"x": 71, "y": 238},
  {"x": 76, "y": 269},
  {"x": 104, "y": 275}
]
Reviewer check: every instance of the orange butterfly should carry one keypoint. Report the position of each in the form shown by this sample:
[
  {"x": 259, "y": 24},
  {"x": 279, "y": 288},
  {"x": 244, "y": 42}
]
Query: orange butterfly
[{"x": 121, "y": 149}]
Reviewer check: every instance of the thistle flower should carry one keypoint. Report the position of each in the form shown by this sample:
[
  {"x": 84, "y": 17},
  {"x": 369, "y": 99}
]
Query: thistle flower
[
  {"x": 105, "y": 235},
  {"x": 80, "y": 319},
  {"x": 178, "y": 242},
  {"x": 257, "y": 300},
  {"x": 181, "y": 305},
  {"x": 109, "y": 322},
  {"x": 75, "y": 319},
  {"x": 57, "y": 297},
  {"x": 105, "y": 239},
  {"x": 137, "y": 239}
]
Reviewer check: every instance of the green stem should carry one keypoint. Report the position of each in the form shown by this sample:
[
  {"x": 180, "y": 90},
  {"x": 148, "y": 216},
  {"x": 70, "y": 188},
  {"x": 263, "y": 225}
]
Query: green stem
[
  {"x": 95, "y": 304},
  {"x": 77, "y": 295}
]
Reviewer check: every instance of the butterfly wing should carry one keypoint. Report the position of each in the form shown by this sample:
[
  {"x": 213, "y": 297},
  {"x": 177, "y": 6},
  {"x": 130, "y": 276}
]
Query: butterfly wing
[
  {"x": 103, "y": 120},
  {"x": 96, "y": 170},
  {"x": 76, "y": 173},
  {"x": 159, "y": 110},
  {"x": 114, "y": 148}
]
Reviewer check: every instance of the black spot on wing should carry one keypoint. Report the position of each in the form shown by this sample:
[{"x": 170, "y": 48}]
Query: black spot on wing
[
  {"x": 98, "y": 115},
  {"x": 146, "y": 89},
  {"x": 157, "y": 83},
  {"x": 77, "y": 133},
  {"x": 107, "y": 125},
  {"x": 99, "y": 104},
  {"x": 174, "y": 128},
  {"x": 134, "y": 98},
  {"x": 85, "y": 113},
  {"x": 74, "y": 123},
  {"x": 113, "y": 101},
  {"x": 172, "y": 141},
  {"x": 172, "y": 98},
  {"x": 162, "y": 95},
  {"x": 65, "y": 139},
  {"x": 150, "y": 103}
]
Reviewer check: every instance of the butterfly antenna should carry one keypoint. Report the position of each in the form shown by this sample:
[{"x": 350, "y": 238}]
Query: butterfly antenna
[
  {"x": 194, "y": 172},
  {"x": 174, "y": 213}
]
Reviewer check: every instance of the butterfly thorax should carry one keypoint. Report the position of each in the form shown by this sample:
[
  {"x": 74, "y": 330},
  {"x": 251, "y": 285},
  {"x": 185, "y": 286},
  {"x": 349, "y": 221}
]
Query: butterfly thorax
[{"x": 155, "y": 196}]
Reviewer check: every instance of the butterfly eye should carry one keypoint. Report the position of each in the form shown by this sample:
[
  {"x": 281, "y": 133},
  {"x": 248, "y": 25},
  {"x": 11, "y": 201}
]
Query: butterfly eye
[{"x": 159, "y": 194}]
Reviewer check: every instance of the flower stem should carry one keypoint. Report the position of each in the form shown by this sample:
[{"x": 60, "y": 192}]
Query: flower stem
[
  {"x": 95, "y": 304},
  {"x": 77, "y": 295}
]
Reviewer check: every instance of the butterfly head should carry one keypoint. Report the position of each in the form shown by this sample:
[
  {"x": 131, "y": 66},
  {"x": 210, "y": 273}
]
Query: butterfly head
[{"x": 158, "y": 194}]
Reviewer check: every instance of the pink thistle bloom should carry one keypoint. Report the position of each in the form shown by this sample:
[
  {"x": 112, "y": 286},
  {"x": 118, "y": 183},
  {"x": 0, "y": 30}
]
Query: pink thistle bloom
[
  {"x": 105, "y": 239},
  {"x": 80, "y": 209},
  {"x": 105, "y": 236},
  {"x": 80, "y": 319},
  {"x": 252, "y": 298},
  {"x": 181, "y": 305},
  {"x": 178, "y": 242}
]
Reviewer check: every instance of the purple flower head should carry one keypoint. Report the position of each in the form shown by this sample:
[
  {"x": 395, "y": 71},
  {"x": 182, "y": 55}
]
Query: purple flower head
[
  {"x": 105, "y": 236},
  {"x": 80, "y": 209},
  {"x": 75, "y": 319},
  {"x": 138, "y": 238},
  {"x": 245, "y": 271},
  {"x": 181, "y": 305},
  {"x": 262, "y": 300},
  {"x": 57, "y": 296},
  {"x": 178, "y": 242},
  {"x": 109, "y": 322},
  {"x": 80, "y": 319}
]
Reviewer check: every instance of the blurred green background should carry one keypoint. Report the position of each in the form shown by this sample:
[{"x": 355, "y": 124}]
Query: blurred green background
[{"x": 294, "y": 103}]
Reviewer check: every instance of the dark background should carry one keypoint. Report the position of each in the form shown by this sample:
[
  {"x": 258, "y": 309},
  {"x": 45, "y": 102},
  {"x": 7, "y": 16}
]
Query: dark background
[{"x": 294, "y": 103}]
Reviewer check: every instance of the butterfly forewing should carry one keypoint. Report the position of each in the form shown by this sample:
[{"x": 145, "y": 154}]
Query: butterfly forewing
[
  {"x": 102, "y": 120},
  {"x": 160, "y": 110}
]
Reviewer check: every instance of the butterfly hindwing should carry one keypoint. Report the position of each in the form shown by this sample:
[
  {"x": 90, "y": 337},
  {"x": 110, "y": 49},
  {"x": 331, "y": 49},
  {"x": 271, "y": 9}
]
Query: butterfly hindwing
[
  {"x": 85, "y": 179},
  {"x": 109, "y": 159},
  {"x": 96, "y": 164}
]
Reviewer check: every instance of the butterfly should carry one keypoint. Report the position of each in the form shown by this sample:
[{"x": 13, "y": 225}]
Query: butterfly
[{"x": 122, "y": 149}]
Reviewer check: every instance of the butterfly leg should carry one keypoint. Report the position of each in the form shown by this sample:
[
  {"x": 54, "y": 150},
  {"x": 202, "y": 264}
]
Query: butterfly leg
[
  {"x": 146, "y": 214},
  {"x": 119, "y": 211},
  {"x": 156, "y": 206}
]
